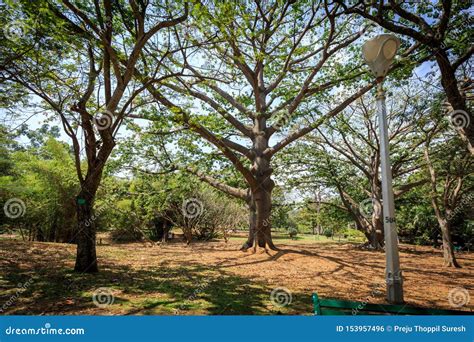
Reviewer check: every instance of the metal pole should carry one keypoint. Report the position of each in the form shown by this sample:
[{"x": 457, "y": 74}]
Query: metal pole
[{"x": 393, "y": 274}]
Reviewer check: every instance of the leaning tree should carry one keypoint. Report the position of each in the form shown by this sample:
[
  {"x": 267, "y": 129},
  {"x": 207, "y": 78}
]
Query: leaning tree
[{"x": 77, "y": 61}]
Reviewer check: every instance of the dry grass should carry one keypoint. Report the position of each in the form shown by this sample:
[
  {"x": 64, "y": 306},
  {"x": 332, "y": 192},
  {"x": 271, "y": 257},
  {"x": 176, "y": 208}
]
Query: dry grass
[{"x": 216, "y": 278}]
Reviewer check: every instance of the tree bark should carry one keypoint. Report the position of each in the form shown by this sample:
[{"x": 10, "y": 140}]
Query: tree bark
[
  {"x": 262, "y": 192},
  {"x": 166, "y": 230},
  {"x": 86, "y": 259},
  {"x": 455, "y": 98},
  {"x": 448, "y": 251},
  {"x": 377, "y": 240},
  {"x": 263, "y": 205},
  {"x": 374, "y": 235},
  {"x": 252, "y": 224}
]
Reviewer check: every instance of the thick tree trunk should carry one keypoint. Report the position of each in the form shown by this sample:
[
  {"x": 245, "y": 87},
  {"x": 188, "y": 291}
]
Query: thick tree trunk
[
  {"x": 448, "y": 250},
  {"x": 263, "y": 187},
  {"x": 263, "y": 201},
  {"x": 465, "y": 125},
  {"x": 444, "y": 224},
  {"x": 377, "y": 234},
  {"x": 375, "y": 237},
  {"x": 86, "y": 260}
]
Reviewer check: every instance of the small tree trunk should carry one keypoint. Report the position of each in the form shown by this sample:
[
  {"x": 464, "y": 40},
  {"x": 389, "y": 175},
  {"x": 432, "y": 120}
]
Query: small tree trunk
[
  {"x": 448, "y": 250},
  {"x": 166, "y": 230},
  {"x": 86, "y": 260}
]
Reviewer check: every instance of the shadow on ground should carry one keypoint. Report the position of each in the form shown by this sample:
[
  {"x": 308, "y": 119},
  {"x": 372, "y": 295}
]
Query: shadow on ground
[{"x": 35, "y": 281}]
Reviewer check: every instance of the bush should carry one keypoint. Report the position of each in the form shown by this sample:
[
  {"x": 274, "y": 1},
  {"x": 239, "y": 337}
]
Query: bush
[
  {"x": 353, "y": 234},
  {"x": 126, "y": 234},
  {"x": 43, "y": 184},
  {"x": 293, "y": 233},
  {"x": 328, "y": 232},
  {"x": 206, "y": 214},
  {"x": 125, "y": 223}
]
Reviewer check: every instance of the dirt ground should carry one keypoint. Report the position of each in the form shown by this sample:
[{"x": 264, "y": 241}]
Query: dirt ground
[{"x": 217, "y": 278}]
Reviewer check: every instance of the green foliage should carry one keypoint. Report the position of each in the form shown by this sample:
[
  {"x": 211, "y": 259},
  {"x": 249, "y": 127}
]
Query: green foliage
[
  {"x": 328, "y": 232},
  {"x": 292, "y": 232},
  {"x": 129, "y": 209},
  {"x": 51, "y": 59},
  {"x": 43, "y": 178},
  {"x": 353, "y": 234}
]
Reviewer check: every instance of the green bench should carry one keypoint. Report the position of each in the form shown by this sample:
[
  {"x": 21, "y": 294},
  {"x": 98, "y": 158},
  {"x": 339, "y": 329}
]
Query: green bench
[{"x": 333, "y": 307}]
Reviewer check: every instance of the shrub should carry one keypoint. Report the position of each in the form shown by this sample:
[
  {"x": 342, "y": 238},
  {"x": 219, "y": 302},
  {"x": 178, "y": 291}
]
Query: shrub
[
  {"x": 353, "y": 234},
  {"x": 293, "y": 233},
  {"x": 328, "y": 232}
]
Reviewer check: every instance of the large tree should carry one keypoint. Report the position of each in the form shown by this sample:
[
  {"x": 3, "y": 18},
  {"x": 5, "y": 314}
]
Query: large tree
[
  {"x": 268, "y": 66},
  {"x": 442, "y": 30},
  {"x": 79, "y": 59}
]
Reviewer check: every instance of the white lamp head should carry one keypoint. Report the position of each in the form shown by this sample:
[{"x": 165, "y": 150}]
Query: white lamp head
[{"x": 379, "y": 52}]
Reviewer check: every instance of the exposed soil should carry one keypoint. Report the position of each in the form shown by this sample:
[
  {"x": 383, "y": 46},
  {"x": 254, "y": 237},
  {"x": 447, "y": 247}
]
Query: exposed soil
[{"x": 217, "y": 278}]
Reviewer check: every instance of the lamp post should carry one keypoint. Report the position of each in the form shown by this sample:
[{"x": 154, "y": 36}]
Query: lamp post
[{"x": 378, "y": 53}]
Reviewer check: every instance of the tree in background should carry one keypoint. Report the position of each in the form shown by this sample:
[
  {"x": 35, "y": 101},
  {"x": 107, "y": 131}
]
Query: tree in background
[
  {"x": 441, "y": 30},
  {"x": 44, "y": 175},
  {"x": 349, "y": 144},
  {"x": 451, "y": 169},
  {"x": 134, "y": 209}
]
